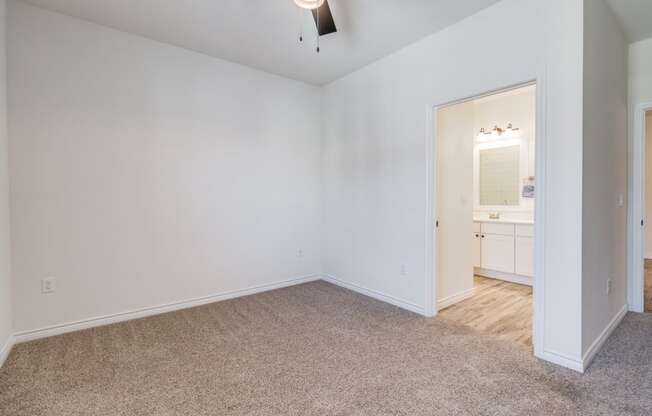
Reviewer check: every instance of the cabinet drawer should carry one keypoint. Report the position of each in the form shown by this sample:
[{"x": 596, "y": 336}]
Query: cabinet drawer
[
  {"x": 524, "y": 230},
  {"x": 500, "y": 229}
]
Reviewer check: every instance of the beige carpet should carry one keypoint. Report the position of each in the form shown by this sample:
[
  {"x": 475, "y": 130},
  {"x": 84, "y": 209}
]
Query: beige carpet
[
  {"x": 647, "y": 286},
  {"x": 315, "y": 349}
]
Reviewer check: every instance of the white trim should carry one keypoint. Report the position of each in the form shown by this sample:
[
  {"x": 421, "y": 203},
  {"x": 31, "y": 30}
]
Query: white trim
[
  {"x": 635, "y": 285},
  {"x": 582, "y": 364},
  {"x": 508, "y": 277},
  {"x": 562, "y": 360},
  {"x": 50, "y": 331},
  {"x": 6, "y": 350},
  {"x": 590, "y": 354},
  {"x": 456, "y": 298},
  {"x": 540, "y": 203},
  {"x": 431, "y": 213},
  {"x": 404, "y": 304}
]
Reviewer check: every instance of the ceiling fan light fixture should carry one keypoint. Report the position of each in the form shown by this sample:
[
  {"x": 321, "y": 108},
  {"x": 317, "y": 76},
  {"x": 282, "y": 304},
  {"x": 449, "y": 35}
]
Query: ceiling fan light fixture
[{"x": 309, "y": 4}]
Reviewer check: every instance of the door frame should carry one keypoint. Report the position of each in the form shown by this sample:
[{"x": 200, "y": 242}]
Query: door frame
[
  {"x": 637, "y": 202},
  {"x": 538, "y": 282}
]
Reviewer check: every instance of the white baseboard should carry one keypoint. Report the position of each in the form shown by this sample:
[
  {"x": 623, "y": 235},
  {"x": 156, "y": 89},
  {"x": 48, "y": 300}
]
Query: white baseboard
[
  {"x": 602, "y": 338},
  {"x": 453, "y": 299},
  {"x": 46, "y": 332},
  {"x": 376, "y": 295},
  {"x": 551, "y": 356},
  {"x": 562, "y": 360},
  {"x": 508, "y": 277},
  {"x": 6, "y": 349},
  {"x": 580, "y": 365}
]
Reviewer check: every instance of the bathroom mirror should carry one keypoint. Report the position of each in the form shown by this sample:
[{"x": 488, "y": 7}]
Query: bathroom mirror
[{"x": 499, "y": 176}]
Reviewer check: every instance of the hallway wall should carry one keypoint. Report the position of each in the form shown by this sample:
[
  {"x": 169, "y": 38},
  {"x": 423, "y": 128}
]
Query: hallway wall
[
  {"x": 604, "y": 173},
  {"x": 6, "y": 313}
]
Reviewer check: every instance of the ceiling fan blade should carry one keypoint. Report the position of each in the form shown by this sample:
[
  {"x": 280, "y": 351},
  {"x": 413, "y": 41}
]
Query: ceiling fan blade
[{"x": 324, "y": 19}]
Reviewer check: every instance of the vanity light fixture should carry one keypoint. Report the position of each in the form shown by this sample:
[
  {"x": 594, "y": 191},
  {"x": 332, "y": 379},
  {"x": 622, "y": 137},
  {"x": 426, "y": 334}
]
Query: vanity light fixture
[
  {"x": 511, "y": 129},
  {"x": 497, "y": 133}
]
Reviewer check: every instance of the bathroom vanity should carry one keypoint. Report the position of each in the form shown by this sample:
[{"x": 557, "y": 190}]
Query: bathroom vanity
[{"x": 504, "y": 249}]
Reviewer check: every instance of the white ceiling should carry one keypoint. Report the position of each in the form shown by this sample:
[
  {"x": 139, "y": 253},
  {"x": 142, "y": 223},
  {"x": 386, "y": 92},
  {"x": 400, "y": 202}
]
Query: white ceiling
[
  {"x": 264, "y": 33},
  {"x": 635, "y": 17}
]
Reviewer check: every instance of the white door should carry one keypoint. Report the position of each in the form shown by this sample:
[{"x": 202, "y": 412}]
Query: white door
[
  {"x": 454, "y": 192},
  {"x": 525, "y": 256},
  {"x": 498, "y": 252},
  {"x": 477, "y": 251}
]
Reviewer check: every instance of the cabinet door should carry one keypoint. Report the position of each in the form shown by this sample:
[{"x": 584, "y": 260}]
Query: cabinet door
[
  {"x": 525, "y": 256},
  {"x": 477, "y": 243},
  {"x": 497, "y": 252}
]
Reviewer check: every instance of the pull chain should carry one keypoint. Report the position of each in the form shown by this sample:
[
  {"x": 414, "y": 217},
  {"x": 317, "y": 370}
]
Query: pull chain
[
  {"x": 300, "y": 27},
  {"x": 318, "y": 30}
]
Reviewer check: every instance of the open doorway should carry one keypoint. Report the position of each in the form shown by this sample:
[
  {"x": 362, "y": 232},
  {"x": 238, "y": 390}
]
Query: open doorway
[
  {"x": 484, "y": 187},
  {"x": 647, "y": 262},
  {"x": 639, "y": 285}
]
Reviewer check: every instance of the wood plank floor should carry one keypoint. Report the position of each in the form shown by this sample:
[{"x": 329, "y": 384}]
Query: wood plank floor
[
  {"x": 648, "y": 285},
  {"x": 498, "y": 308}
]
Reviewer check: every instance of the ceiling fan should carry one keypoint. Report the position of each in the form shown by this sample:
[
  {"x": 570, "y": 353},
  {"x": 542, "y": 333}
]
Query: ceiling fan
[{"x": 321, "y": 13}]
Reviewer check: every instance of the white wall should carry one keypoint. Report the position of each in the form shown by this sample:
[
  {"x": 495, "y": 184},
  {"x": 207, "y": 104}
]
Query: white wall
[
  {"x": 604, "y": 170},
  {"x": 6, "y": 328},
  {"x": 144, "y": 174},
  {"x": 375, "y": 155}
]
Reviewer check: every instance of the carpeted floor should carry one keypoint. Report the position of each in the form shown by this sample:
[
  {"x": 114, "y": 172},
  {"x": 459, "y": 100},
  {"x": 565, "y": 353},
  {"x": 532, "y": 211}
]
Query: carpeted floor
[
  {"x": 315, "y": 349},
  {"x": 647, "y": 286}
]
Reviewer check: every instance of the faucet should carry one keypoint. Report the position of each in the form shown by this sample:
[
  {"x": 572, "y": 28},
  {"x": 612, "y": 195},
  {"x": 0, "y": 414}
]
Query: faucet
[{"x": 494, "y": 215}]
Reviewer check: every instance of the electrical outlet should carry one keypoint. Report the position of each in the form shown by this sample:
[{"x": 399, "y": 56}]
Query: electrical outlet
[
  {"x": 403, "y": 270},
  {"x": 609, "y": 286},
  {"x": 48, "y": 285}
]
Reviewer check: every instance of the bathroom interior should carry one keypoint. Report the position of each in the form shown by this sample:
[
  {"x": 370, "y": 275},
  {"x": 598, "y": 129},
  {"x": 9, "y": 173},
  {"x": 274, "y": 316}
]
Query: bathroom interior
[{"x": 485, "y": 187}]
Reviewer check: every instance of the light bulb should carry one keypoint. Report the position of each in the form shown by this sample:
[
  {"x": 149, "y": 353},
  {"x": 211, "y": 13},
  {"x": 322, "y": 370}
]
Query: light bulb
[{"x": 309, "y": 4}]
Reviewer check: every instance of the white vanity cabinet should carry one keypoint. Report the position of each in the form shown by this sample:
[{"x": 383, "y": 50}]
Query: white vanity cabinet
[
  {"x": 524, "y": 250},
  {"x": 497, "y": 252},
  {"x": 504, "y": 251}
]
